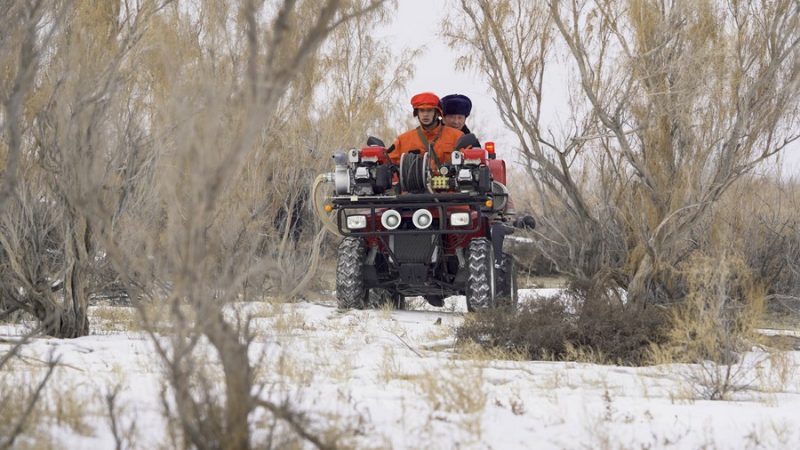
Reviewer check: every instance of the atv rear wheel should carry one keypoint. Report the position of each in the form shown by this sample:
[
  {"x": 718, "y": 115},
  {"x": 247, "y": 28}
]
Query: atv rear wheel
[
  {"x": 435, "y": 300},
  {"x": 506, "y": 276},
  {"x": 481, "y": 279},
  {"x": 350, "y": 290}
]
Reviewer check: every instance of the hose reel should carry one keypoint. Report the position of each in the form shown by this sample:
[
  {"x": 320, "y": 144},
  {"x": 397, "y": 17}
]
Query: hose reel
[{"x": 414, "y": 173}]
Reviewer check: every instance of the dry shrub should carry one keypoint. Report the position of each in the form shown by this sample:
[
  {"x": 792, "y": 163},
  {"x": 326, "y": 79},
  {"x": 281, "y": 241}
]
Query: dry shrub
[
  {"x": 22, "y": 399},
  {"x": 607, "y": 323},
  {"x": 718, "y": 316},
  {"x": 561, "y": 243},
  {"x": 70, "y": 405},
  {"x": 466, "y": 397},
  {"x": 713, "y": 324},
  {"x": 124, "y": 433},
  {"x": 590, "y": 321},
  {"x": 536, "y": 329}
]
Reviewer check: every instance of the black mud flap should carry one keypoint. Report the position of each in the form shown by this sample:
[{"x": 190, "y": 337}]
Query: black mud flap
[
  {"x": 498, "y": 232},
  {"x": 370, "y": 275},
  {"x": 461, "y": 276}
]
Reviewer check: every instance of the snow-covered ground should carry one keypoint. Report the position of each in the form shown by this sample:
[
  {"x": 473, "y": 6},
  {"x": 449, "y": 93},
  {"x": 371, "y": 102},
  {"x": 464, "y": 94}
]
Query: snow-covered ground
[{"x": 392, "y": 379}]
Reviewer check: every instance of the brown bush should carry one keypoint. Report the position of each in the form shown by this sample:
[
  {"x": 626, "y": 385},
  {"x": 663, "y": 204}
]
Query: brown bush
[
  {"x": 718, "y": 316},
  {"x": 588, "y": 319},
  {"x": 537, "y": 330},
  {"x": 714, "y": 324},
  {"x": 621, "y": 331}
]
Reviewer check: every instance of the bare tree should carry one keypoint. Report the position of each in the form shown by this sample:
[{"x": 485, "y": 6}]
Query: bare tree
[
  {"x": 164, "y": 142},
  {"x": 213, "y": 129},
  {"x": 20, "y": 53},
  {"x": 69, "y": 147},
  {"x": 511, "y": 42},
  {"x": 208, "y": 208},
  {"x": 24, "y": 275},
  {"x": 675, "y": 102},
  {"x": 711, "y": 91}
]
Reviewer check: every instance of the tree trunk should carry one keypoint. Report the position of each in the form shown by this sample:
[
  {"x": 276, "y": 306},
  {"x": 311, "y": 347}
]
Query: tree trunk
[
  {"x": 69, "y": 319},
  {"x": 238, "y": 381},
  {"x": 637, "y": 289}
]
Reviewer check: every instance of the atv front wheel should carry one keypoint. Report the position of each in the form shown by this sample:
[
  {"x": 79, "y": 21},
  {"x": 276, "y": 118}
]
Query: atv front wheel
[
  {"x": 507, "y": 282},
  {"x": 481, "y": 279},
  {"x": 350, "y": 290}
]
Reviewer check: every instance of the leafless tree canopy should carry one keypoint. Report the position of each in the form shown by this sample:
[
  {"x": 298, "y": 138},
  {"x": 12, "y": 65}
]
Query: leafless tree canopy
[
  {"x": 165, "y": 148},
  {"x": 152, "y": 133},
  {"x": 671, "y": 103}
]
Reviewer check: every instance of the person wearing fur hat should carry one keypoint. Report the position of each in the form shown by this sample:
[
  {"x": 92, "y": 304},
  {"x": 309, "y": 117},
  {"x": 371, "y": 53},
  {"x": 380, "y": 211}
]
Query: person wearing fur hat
[
  {"x": 431, "y": 132},
  {"x": 456, "y": 109}
]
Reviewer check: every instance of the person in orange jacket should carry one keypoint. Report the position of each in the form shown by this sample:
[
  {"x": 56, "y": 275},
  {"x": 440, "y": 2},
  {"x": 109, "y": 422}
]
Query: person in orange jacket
[{"x": 430, "y": 132}]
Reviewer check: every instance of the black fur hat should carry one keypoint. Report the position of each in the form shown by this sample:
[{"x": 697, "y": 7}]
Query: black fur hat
[{"x": 456, "y": 104}]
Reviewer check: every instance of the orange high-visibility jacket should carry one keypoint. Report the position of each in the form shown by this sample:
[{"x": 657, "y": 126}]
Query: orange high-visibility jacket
[{"x": 443, "y": 146}]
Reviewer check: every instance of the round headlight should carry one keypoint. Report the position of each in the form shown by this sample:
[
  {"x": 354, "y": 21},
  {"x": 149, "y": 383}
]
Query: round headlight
[
  {"x": 390, "y": 219},
  {"x": 422, "y": 218}
]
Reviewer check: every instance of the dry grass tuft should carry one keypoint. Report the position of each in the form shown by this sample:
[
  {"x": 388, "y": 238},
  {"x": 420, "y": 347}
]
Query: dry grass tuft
[
  {"x": 473, "y": 351},
  {"x": 114, "y": 319},
  {"x": 68, "y": 405},
  {"x": 16, "y": 397},
  {"x": 456, "y": 393},
  {"x": 62, "y": 405}
]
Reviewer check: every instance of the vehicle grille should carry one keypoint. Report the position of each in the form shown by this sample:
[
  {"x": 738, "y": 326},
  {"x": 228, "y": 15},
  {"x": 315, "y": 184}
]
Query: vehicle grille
[{"x": 409, "y": 248}]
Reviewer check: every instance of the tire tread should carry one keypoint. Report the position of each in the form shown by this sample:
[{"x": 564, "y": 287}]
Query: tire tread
[
  {"x": 480, "y": 263},
  {"x": 350, "y": 290}
]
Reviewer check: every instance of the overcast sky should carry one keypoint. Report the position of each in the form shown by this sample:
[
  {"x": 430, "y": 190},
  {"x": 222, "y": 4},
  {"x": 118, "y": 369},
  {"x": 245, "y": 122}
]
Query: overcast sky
[{"x": 417, "y": 24}]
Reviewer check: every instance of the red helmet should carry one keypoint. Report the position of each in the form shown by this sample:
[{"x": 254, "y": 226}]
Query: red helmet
[{"x": 425, "y": 100}]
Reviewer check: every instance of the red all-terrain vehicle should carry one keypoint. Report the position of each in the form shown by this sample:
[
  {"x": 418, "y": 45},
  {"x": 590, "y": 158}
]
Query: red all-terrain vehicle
[{"x": 422, "y": 230}]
